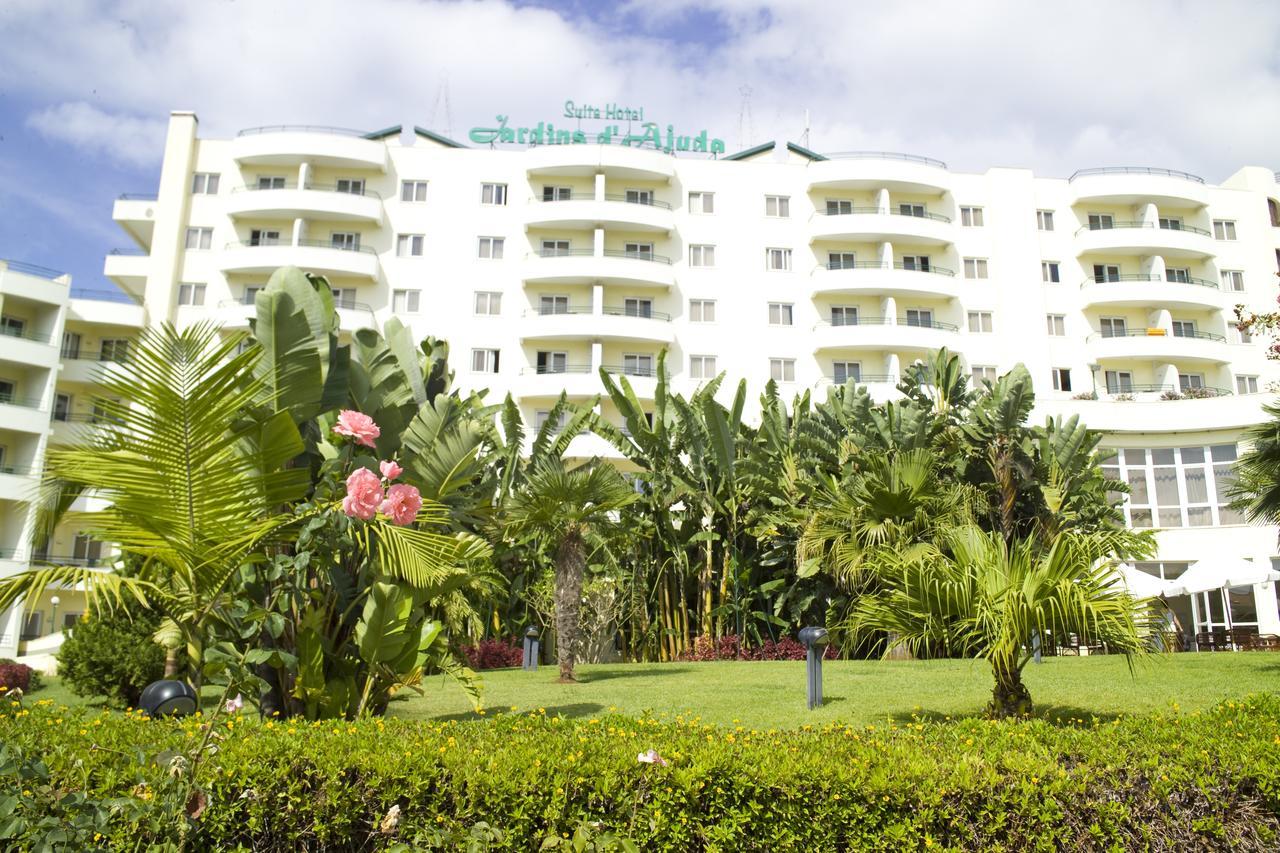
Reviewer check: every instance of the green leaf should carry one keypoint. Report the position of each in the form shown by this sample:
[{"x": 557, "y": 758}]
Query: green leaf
[{"x": 380, "y": 633}]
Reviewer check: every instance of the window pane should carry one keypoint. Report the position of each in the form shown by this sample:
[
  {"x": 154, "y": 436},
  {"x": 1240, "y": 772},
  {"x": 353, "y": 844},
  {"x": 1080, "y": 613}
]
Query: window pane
[
  {"x": 1223, "y": 452},
  {"x": 1197, "y": 486},
  {"x": 1138, "y": 487},
  {"x": 1140, "y": 517},
  {"x": 1166, "y": 480},
  {"x": 1199, "y": 516}
]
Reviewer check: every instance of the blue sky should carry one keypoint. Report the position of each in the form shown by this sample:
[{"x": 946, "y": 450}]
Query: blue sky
[{"x": 86, "y": 85}]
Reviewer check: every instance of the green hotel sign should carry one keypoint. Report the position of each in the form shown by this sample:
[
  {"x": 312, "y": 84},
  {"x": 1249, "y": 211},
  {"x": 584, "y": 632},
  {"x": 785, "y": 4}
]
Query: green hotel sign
[{"x": 647, "y": 135}]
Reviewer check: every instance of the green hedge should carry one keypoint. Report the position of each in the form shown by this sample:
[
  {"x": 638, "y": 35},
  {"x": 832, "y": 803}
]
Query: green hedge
[{"x": 1167, "y": 781}]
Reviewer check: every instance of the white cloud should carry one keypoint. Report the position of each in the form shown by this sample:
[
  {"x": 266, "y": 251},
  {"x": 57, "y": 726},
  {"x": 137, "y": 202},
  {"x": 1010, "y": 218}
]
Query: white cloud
[{"x": 127, "y": 139}]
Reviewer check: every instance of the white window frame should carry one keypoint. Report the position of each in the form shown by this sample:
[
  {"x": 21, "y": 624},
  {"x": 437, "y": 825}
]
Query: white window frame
[
  {"x": 702, "y": 310},
  {"x": 406, "y": 301},
  {"x": 781, "y": 314},
  {"x": 854, "y": 374},
  {"x": 556, "y": 192},
  {"x": 1108, "y": 326},
  {"x": 702, "y": 367},
  {"x": 781, "y": 206},
  {"x": 1122, "y": 384},
  {"x": 1061, "y": 379},
  {"x": 415, "y": 190},
  {"x": 346, "y": 240},
  {"x": 493, "y": 194},
  {"x": 553, "y": 361},
  {"x": 1180, "y": 328},
  {"x": 839, "y": 206},
  {"x": 191, "y": 293},
  {"x": 847, "y": 314},
  {"x": 980, "y": 373},
  {"x": 702, "y": 255},
  {"x": 984, "y": 320},
  {"x": 199, "y": 238},
  {"x": 415, "y": 243},
  {"x": 638, "y": 364},
  {"x": 1231, "y": 278},
  {"x": 350, "y": 186},
  {"x": 1056, "y": 325},
  {"x": 1110, "y": 273},
  {"x": 782, "y": 369},
  {"x": 1246, "y": 384},
  {"x": 205, "y": 183},
  {"x": 1224, "y": 229},
  {"x": 487, "y": 303},
  {"x": 975, "y": 268},
  {"x": 702, "y": 203},
  {"x": 1051, "y": 272},
  {"x": 916, "y": 263},
  {"x": 918, "y": 318},
  {"x": 491, "y": 248},
  {"x": 971, "y": 217},
  {"x": 1100, "y": 221},
  {"x": 1044, "y": 220},
  {"x": 485, "y": 360},
  {"x": 555, "y": 248},
  {"x": 781, "y": 256}
]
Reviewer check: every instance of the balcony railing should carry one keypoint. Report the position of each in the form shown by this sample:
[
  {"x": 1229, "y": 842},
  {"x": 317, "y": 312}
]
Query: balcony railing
[
  {"x": 95, "y": 355},
  {"x": 301, "y": 128},
  {"x": 24, "y": 402},
  {"x": 885, "y": 155},
  {"x": 623, "y": 311},
  {"x": 316, "y": 244},
  {"x": 1199, "y": 282},
  {"x": 877, "y": 265},
  {"x": 864, "y": 378},
  {"x": 138, "y": 197},
  {"x": 34, "y": 269},
  {"x": 105, "y": 296},
  {"x": 19, "y": 470},
  {"x": 554, "y": 310},
  {"x": 324, "y": 188},
  {"x": 1131, "y": 388},
  {"x": 608, "y": 253},
  {"x": 630, "y": 370},
  {"x": 653, "y": 202},
  {"x": 9, "y": 553},
  {"x": 1157, "y": 333},
  {"x": 1135, "y": 170},
  {"x": 1201, "y": 336},
  {"x": 871, "y": 211},
  {"x": 128, "y": 251},
  {"x": 70, "y": 560},
  {"x": 24, "y": 334},
  {"x": 639, "y": 256},
  {"x": 1117, "y": 224},
  {"x": 549, "y": 370},
  {"x": 84, "y": 418},
  {"x": 889, "y": 321}
]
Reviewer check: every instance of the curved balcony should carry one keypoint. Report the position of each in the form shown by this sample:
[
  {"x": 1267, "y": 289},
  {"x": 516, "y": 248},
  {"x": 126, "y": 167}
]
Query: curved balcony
[
  {"x": 873, "y": 277},
  {"x": 88, "y": 366},
  {"x": 1145, "y": 238},
  {"x": 1139, "y": 290},
  {"x": 311, "y": 255},
  {"x": 1155, "y": 344},
  {"x": 613, "y": 323},
  {"x": 311, "y": 201},
  {"x": 236, "y": 314},
  {"x": 576, "y": 380},
  {"x": 1138, "y": 185},
  {"x": 285, "y": 145},
  {"x": 582, "y": 266},
  {"x": 582, "y": 212},
  {"x": 862, "y": 170},
  {"x": 643, "y": 382},
  {"x": 875, "y": 224},
  {"x": 616, "y": 161},
  {"x": 884, "y": 333}
]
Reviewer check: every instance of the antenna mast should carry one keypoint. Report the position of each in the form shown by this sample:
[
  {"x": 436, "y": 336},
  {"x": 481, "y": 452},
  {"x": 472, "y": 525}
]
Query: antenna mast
[
  {"x": 746, "y": 128},
  {"x": 442, "y": 96}
]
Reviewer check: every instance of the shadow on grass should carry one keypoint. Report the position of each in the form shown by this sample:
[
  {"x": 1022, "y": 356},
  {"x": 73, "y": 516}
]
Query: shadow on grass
[
  {"x": 629, "y": 671},
  {"x": 575, "y": 711},
  {"x": 1056, "y": 715}
]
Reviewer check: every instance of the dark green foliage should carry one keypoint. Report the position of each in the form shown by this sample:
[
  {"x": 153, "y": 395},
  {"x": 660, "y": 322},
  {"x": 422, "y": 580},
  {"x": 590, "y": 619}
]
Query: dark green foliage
[
  {"x": 112, "y": 656},
  {"x": 1168, "y": 781}
]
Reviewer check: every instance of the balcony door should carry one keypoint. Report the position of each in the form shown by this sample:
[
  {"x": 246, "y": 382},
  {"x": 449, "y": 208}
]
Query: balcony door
[
  {"x": 7, "y": 391},
  {"x": 552, "y": 362},
  {"x": 1178, "y": 274},
  {"x": 1119, "y": 382},
  {"x": 637, "y": 365},
  {"x": 637, "y": 307},
  {"x": 844, "y": 315},
  {"x": 263, "y": 237},
  {"x": 838, "y": 207},
  {"x": 1184, "y": 328},
  {"x": 845, "y": 371},
  {"x": 1106, "y": 272},
  {"x": 1101, "y": 221},
  {"x": 553, "y": 248},
  {"x": 1113, "y": 327},
  {"x": 639, "y": 196},
  {"x": 644, "y": 251},
  {"x": 556, "y": 193},
  {"x": 920, "y": 317},
  {"x": 70, "y": 344},
  {"x": 553, "y": 305},
  {"x": 911, "y": 209},
  {"x": 347, "y": 240},
  {"x": 919, "y": 263},
  {"x": 841, "y": 260}
]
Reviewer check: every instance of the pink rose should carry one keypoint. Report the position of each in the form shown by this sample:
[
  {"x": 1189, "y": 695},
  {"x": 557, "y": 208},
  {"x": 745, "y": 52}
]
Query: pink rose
[
  {"x": 402, "y": 504},
  {"x": 364, "y": 493},
  {"x": 357, "y": 425},
  {"x": 390, "y": 469}
]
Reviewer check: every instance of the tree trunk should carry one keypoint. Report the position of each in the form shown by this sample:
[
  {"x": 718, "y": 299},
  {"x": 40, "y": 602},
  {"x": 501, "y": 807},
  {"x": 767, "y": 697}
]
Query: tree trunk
[
  {"x": 1010, "y": 698},
  {"x": 170, "y": 663},
  {"x": 704, "y": 590},
  {"x": 571, "y": 564}
]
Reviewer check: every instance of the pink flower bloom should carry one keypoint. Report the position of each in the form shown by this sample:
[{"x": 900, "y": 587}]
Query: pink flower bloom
[
  {"x": 364, "y": 493},
  {"x": 652, "y": 757},
  {"x": 390, "y": 469},
  {"x": 233, "y": 705},
  {"x": 402, "y": 504},
  {"x": 357, "y": 425}
]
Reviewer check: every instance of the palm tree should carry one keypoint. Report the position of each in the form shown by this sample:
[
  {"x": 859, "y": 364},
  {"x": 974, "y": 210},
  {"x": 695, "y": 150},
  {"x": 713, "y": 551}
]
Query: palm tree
[
  {"x": 1257, "y": 489},
  {"x": 975, "y": 594},
  {"x": 565, "y": 506}
]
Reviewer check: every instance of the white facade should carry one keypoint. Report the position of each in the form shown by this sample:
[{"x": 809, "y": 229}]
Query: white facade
[{"x": 540, "y": 265}]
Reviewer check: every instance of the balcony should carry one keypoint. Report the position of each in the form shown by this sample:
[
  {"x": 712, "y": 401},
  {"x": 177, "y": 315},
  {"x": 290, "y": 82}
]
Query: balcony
[
  {"x": 576, "y": 380},
  {"x": 1145, "y": 238},
  {"x": 18, "y": 482},
  {"x": 874, "y": 224},
  {"x": 643, "y": 380},
  {"x": 28, "y": 347},
  {"x": 88, "y": 366},
  {"x": 870, "y": 170},
  {"x": 23, "y": 414},
  {"x": 316, "y": 256},
  {"x": 1145, "y": 290},
  {"x": 612, "y": 323},
  {"x": 128, "y": 268},
  {"x": 136, "y": 214},
  {"x": 884, "y": 333},
  {"x": 314, "y": 201},
  {"x": 873, "y": 277},
  {"x": 290, "y": 145},
  {"x": 1144, "y": 412},
  {"x": 1130, "y": 185},
  {"x": 583, "y": 212},
  {"x": 106, "y": 307},
  {"x": 582, "y": 266},
  {"x": 615, "y": 161},
  {"x": 1155, "y": 344},
  {"x": 352, "y": 316}
]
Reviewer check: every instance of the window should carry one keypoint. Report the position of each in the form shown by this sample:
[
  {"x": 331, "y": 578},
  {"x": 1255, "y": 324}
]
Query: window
[
  {"x": 270, "y": 182},
  {"x": 199, "y": 238},
  {"x": 911, "y": 210},
  {"x": 62, "y": 407},
  {"x": 702, "y": 366},
  {"x": 639, "y": 196},
  {"x": 702, "y": 256},
  {"x": 777, "y": 205},
  {"x": 1246, "y": 385},
  {"x": 1224, "y": 229},
  {"x": 1189, "y": 381},
  {"x": 553, "y": 305},
  {"x": 13, "y": 327},
  {"x": 413, "y": 190},
  {"x": 1118, "y": 381},
  {"x": 844, "y": 315},
  {"x": 86, "y": 550},
  {"x": 405, "y": 301},
  {"x": 1056, "y": 324},
  {"x": 782, "y": 369},
  {"x": 1170, "y": 223},
  {"x": 841, "y": 260},
  {"x": 409, "y": 245},
  {"x": 975, "y": 267},
  {"x": 634, "y": 364},
  {"x": 204, "y": 183},
  {"x": 550, "y": 193},
  {"x": 1181, "y": 275},
  {"x": 70, "y": 344},
  {"x": 191, "y": 294},
  {"x": 491, "y": 248},
  {"x": 839, "y": 207},
  {"x": 779, "y": 314},
  {"x": 980, "y": 321},
  {"x": 344, "y": 297},
  {"x": 263, "y": 237},
  {"x": 919, "y": 317},
  {"x": 488, "y": 303},
  {"x": 554, "y": 248},
  {"x": 1106, "y": 272},
  {"x": 1049, "y": 272},
  {"x": 542, "y": 416},
  {"x": 919, "y": 263},
  {"x": 971, "y": 217},
  {"x": 702, "y": 310},
  {"x": 484, "y": 360},
  {"x": 777, "y": 259},
  {"x": 643, "y": 251},
  {"x": 354, "y": 186},
  {"x": 983, "y": 373},
  {"x": 346, "y": 240},
  {"x": 1175, "y": 486},
  {"x": 552, "y": 362},
  {"x": 846, "y": 371},
  {"x": 1044, "y": 220},
  {"x": 116, "y": 349},
  {"x": 1113, "y": 327},
  {"x": 1244, "y": 336},
  {"x": 8, "y": 391},
  {"x": 493, "y": 193},
  {"x": 701, "y": 202},
  {"x": 1062, "y": 379},
  {"x": 33, "y": 626},
  {"x": 1184, "y": 328},
  {"x": 636, "y": 307},
  {"x": 1233, "y": 281},
  {"x": 1101, "y": 221}
]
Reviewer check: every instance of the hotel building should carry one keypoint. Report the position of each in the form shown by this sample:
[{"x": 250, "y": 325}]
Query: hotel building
[{"x": 542, "y": 264}]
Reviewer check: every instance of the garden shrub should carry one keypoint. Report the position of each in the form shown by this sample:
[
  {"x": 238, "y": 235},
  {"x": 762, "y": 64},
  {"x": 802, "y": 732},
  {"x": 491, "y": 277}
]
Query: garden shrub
[
  {"x": 732, "y": 647},
  {"x": 493, "y": 654},
  {"x": 1166, "y": 781},
  {"x": 112, "y": 656},
  {"x": 16, "y": 676}
]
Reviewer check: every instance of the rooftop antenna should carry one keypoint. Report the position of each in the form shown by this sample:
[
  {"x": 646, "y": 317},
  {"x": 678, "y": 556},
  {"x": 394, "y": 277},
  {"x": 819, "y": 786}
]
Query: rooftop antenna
[
  {"x": 442, "y": 97},
  {"x": 746, "y": 129},
  {"x": 805, "y": 135}
]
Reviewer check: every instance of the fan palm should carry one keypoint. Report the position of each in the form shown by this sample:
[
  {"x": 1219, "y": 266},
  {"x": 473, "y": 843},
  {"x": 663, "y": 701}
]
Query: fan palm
[
  {"x": 564, "y": 506},
  {"x": 1257, "y": 491},
  {"x": 974, "y": 594}
]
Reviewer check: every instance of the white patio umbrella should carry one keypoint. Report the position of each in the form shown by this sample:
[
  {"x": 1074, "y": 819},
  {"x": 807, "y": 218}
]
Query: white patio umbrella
[
  {"x": 1217, "y": 573},
  {"x": 1142, "y": 585}
]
